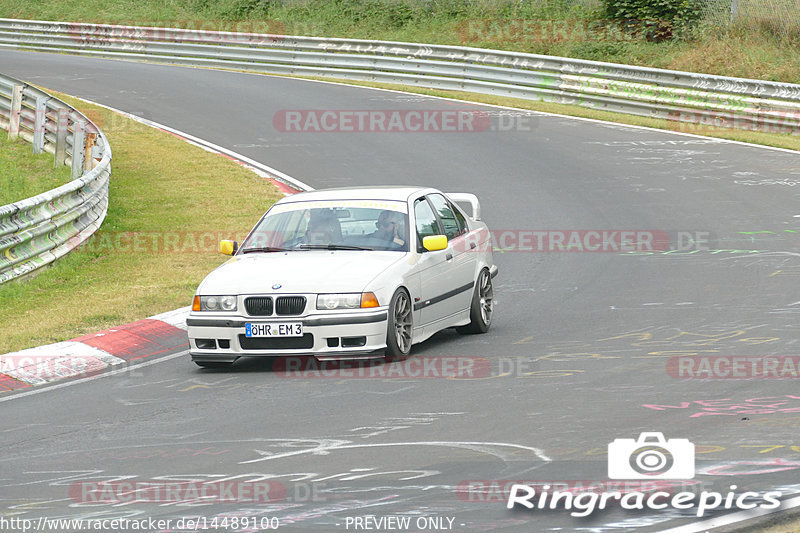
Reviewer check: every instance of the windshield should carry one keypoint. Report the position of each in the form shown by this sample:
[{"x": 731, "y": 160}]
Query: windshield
[{"x": 334, "y": 225}]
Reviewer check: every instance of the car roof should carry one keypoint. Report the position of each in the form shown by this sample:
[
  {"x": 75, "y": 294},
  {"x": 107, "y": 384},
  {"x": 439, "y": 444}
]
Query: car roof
[{"x": 397, "y": 193}]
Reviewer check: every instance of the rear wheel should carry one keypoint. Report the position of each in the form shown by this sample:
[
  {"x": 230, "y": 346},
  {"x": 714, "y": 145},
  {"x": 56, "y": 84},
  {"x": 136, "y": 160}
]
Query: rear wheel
[
  {"x": 399, "y": 326},
  {"x": 480, "y": 313}
]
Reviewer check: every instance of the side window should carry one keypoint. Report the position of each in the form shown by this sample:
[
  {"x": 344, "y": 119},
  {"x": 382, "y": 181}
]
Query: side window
[
  {"x": 425, "y": 220},
  {"x": 463, "y": 227},
  {"x": 453, "y": 227}
]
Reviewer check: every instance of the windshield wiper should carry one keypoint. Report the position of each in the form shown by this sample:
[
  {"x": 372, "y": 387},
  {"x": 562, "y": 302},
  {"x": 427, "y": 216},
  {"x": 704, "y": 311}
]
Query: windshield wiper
[
  {"x": 264, "y": 249},
  {"x": 332, "y": 247}
]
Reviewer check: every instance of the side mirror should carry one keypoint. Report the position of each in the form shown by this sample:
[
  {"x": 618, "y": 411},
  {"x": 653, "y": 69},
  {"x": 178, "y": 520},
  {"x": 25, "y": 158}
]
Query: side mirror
[
  {"x": 228, "y": 247},
  {"x": 433, "y": 243}
]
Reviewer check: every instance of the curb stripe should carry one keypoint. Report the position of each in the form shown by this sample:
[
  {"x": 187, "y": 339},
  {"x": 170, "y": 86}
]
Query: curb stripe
[
  {"x": 137, "y": 340},
  {"x": 7, "y": 383},
  {"x": 175, "y": 318},
  {"x": 43, "y": 364},
  {"x": 93, "y": 353}
]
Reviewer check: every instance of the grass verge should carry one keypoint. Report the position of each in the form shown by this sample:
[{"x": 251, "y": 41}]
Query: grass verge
[
  {"x": 170, "y": 204},
  {"x": 24, "y": 174},
  {"x": 752, "y": 48}
]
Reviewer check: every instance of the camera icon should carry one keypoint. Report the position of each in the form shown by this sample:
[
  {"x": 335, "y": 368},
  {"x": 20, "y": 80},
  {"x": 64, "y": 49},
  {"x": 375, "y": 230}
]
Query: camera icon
[{"x": 651, "y": 457}]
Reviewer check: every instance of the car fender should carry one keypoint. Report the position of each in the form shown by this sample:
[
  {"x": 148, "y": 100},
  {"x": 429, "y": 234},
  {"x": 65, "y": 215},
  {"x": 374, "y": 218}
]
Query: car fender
[{"x": 386, "y": 283}]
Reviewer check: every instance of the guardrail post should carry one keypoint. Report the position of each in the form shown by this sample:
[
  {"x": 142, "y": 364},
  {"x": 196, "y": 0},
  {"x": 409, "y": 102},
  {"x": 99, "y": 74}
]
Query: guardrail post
[
  {"x": 40, "y": 116},
  {"x": 49, "y": 225},
  {"x": 62, "y": 128},
  {"x": 16, "y": 110},
  {"x": 88, "y": 160},
  {"x": 78, "y": 145}
]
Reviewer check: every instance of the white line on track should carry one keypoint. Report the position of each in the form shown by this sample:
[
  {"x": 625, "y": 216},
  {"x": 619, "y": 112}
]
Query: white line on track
[
  {"x": 202, "y": 143},
  {"x": 326, "y": 447}
]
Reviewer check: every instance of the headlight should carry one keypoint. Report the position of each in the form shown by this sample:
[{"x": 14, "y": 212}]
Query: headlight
[
  {"x": 214, "y": 303},
  {"x": 339, "y": 301},
  {"x": 356, "y": 300}
]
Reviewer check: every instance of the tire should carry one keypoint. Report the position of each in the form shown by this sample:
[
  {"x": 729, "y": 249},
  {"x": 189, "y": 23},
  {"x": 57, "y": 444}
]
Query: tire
[
  {"x": 482, "y": 307},
  {"x": 217, "y": 365},
  {"x": 399, "y": 327}
]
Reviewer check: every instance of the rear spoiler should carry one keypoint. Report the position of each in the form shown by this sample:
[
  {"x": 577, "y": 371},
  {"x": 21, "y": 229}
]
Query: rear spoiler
[{"x": 467, "y": 198}]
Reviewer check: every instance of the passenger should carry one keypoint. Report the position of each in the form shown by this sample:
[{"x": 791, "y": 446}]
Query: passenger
[{"x": 319, "y": 231}]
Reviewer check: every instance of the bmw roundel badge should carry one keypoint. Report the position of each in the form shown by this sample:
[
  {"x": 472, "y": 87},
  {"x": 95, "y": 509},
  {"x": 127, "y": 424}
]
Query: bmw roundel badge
[{"x": 276, "y": 286}]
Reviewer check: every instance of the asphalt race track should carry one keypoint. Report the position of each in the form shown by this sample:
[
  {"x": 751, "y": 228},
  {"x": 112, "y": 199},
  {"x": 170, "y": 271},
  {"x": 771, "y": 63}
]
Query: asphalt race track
[{"x": 579, "y": 350}]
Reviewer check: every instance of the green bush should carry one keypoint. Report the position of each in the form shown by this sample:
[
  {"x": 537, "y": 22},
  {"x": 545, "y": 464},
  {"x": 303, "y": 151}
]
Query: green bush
[
  {"x": 242, "y": 9},
  {"x": 657, "y": 19}
]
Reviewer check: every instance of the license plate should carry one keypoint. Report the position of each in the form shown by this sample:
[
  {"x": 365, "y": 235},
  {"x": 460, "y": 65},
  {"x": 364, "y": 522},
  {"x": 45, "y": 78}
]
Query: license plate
[{"x": 274, "y": 329}]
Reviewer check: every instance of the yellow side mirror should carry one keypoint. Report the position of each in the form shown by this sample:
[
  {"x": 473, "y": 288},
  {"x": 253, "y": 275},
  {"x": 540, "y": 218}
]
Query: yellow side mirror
[
  {"x": 434, "y": 243},
  {"x": 228, "y": 247}
]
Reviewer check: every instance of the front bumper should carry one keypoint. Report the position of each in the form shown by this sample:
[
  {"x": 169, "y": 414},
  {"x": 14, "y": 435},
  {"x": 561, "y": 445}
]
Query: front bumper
[{"x": 221, "y": 338}]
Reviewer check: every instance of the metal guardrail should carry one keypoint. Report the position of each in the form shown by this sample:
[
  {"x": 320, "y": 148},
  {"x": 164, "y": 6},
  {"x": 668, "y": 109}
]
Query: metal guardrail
[
  {"x": 709, "y": 100},
  {"x": 37, "y": 231}
]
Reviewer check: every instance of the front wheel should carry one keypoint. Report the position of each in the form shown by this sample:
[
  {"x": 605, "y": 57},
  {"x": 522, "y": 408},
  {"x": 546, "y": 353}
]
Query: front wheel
[
  {"x": 399, "y": 326},
  {"x": 480, "y": 312}
]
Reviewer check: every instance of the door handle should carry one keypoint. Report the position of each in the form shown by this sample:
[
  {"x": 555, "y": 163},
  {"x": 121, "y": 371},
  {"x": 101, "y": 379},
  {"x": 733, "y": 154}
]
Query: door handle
[
  {"x": 449, "y": 256},
  {"x": 472, "y": 245}
]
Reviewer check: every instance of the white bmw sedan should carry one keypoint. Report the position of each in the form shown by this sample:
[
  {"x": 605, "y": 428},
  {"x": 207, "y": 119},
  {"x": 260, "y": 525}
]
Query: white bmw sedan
[{"x": 348, "y": 271}]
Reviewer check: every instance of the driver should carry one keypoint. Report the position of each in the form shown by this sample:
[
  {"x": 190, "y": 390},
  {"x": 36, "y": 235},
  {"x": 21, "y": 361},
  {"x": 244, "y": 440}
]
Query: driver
[{"x": 389, "y": 228}]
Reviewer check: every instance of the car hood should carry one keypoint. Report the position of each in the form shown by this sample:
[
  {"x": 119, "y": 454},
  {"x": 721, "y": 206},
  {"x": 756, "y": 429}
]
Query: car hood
[{"x": 312, "y": 271}]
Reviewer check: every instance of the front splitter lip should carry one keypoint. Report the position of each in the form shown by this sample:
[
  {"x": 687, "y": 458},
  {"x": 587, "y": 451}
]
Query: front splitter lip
[{"x": 322, "y": 356}]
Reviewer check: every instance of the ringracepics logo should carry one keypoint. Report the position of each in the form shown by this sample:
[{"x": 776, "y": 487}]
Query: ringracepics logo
[{"x": 650, "y": 456}]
